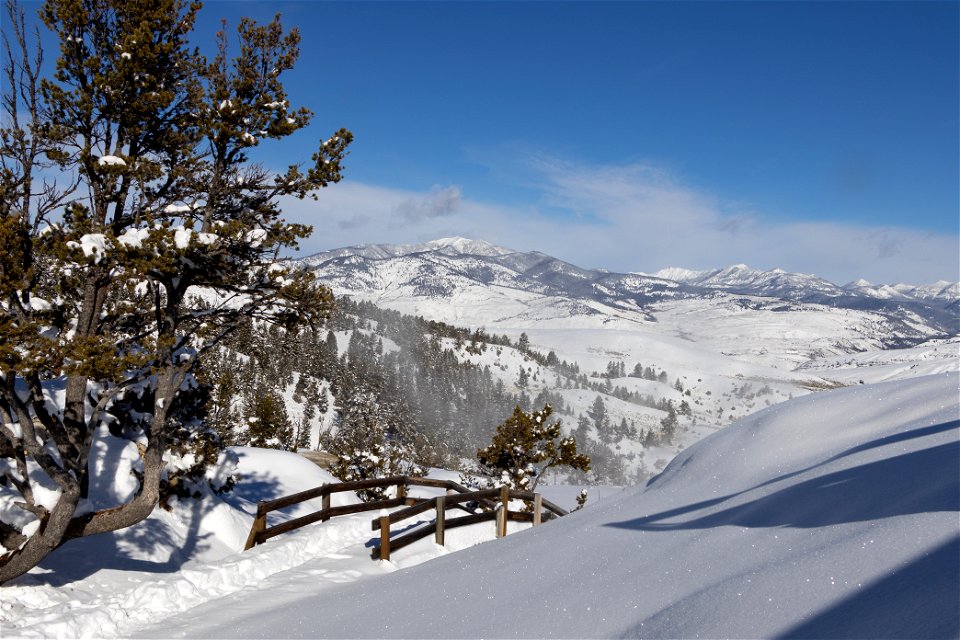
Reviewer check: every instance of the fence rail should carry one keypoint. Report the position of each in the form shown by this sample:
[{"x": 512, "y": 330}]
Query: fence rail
[
  {"x": 500, "y": 513},
  {"x": 457, "y": 498}
]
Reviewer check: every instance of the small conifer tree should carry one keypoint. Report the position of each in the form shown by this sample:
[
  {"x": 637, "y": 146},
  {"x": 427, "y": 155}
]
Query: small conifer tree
[
  {"x": 368, "y": 445},
  {"x": 268, "y": 425},
  {"x": 524, "y": 446}
]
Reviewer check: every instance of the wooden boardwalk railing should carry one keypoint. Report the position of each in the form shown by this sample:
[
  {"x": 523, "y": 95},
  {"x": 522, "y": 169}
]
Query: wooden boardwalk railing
[
  {"x": 457, "y": 496},
  {"x": 501, "y": 514}
]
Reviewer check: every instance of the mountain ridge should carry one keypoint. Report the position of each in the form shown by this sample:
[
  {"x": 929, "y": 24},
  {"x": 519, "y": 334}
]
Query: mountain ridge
[
  {"x": 736, "y": 278},
  {"x": 447, "y": 268}
]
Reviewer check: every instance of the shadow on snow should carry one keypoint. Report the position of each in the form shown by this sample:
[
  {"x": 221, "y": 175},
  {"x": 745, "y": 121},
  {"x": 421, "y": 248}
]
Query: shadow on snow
[{"x": 922, "y": 481}]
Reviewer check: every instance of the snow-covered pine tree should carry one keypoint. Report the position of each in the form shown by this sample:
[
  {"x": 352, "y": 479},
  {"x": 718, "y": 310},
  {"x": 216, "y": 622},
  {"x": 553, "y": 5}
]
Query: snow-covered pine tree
[
  {"x": 524, "y": 446},
  {"x": 369, "y": 445},
  {"x": 126, "y": 189}
]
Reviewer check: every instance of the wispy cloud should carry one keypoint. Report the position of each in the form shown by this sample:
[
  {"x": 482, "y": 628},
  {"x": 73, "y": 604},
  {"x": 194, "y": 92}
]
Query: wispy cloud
[
  {"x": 437, "y": 203},
  {"x": 634, "y": 217}
]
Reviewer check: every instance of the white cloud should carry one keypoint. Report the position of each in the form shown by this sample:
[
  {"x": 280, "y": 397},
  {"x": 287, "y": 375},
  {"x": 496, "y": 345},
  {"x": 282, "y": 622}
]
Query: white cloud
[
  {"x": 626, "y": 218},
  {"x": 437, "y": 203}
]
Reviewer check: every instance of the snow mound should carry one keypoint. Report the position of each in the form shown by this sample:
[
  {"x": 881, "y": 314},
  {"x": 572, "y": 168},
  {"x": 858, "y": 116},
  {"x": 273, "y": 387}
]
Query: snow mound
[
  {"x": 834, "y": 515},
  {"x": 111, "y": 584}
]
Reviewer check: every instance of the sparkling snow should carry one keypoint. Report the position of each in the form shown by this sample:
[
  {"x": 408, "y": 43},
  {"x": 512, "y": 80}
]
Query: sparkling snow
[{"x": 832, "y": 515}]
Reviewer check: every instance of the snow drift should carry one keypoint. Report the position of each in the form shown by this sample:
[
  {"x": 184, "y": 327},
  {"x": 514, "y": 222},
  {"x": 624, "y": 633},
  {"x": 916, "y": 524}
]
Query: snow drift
[{"x": 834, "y": 515}]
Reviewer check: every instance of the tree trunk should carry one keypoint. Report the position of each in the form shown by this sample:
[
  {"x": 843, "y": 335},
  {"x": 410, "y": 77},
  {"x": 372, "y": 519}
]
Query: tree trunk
[{"x": 41, "y": 543}]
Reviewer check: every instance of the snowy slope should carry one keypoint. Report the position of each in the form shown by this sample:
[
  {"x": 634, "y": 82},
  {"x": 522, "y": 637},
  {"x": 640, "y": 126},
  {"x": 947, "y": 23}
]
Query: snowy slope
[
  {"x": 935, "y": 356},
  {"x": 834, "y": 515}
]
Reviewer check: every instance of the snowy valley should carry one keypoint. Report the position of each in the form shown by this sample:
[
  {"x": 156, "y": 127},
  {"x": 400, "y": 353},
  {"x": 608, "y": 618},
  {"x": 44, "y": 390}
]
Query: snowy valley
[{"x": 725, "y": 343}]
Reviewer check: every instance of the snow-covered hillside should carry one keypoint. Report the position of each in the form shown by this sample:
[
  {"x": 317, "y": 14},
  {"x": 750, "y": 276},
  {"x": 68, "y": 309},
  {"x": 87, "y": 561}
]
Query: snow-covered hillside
[
  {"x": 737, "y": 339},
  {"x": 833, "y": 515}
]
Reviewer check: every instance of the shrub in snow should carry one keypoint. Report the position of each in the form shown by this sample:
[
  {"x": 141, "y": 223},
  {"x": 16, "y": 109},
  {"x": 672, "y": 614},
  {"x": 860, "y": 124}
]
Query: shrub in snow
[
  {"x": 164, "y": 242},
  {"x": 581, "y": 500},
  {"x": 524, "y": 446}
]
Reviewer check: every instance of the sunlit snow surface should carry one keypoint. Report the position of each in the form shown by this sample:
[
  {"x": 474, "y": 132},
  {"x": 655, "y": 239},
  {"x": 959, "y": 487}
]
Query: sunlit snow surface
[{"x": 832, "y": 515}]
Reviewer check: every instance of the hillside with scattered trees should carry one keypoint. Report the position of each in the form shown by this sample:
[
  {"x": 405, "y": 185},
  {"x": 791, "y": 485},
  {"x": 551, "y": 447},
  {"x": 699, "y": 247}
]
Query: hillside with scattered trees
[{"x": 409, "y": 391}]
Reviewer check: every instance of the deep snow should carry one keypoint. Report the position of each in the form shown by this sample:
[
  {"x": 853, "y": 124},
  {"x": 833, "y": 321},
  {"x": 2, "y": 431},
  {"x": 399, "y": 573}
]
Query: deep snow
[{"x": 832, "y": 515}]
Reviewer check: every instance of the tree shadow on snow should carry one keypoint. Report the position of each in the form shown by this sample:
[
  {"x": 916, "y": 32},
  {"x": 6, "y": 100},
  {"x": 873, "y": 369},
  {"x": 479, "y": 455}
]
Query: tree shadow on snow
[
  {"x": 919, "y": 600},
  {"x": 130, "y": 549},
  {"x": 253, "y": 487},
  {"x": 921, "y": 481},
  {"x": 152, "y": 545}
]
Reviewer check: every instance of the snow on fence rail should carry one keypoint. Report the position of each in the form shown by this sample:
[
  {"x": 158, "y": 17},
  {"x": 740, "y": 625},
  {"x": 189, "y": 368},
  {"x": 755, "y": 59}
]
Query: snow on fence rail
[{"x": 456, "y": 496}]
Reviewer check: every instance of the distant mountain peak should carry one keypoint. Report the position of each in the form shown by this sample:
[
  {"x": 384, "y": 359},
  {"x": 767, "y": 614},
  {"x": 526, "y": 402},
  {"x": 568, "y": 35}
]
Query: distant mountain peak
[
  {"x": 677, "y": 274},
  {"x": 467, "y": 246}
]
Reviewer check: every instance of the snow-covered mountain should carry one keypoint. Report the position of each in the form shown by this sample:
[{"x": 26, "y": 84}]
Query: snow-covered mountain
[
  {"x": 494, "y": 286},
  {"x": 940, "y": 291},
  {"x": 740, "y": 278},
  {"x": 447, "y": 246}
]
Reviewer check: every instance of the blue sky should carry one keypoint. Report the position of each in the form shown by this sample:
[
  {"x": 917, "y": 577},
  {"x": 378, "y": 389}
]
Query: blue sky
[{"x": 816, "y": 137}]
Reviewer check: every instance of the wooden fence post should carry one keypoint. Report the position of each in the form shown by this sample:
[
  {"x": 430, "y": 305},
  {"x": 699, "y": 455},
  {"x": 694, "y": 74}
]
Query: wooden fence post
[
  {"x": 325, "y": 506},
  {"x": 537, "y": 508},
  {"x": 441, "y": 519},
  {"x": 384, "y": 537},
  {"x": 259, "y": 524},
  {"x": 502, "y": 514}
]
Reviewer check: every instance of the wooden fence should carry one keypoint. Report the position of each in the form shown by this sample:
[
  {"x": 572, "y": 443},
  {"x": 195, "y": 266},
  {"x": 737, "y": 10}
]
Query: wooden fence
[
  {"x": 499, "y": 513},
  {"x": 457, "y": 497}
]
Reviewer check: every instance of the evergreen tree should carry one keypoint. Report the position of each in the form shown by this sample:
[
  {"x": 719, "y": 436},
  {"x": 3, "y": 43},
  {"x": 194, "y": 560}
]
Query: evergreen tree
[
  {"x": 268, "y": 425},
  {"x": 302, "y": 434},
  {"x": 523, "y": 379},
  {"x": 524, "y": 446},
  {"x": 151, "y": 144},
  {"x": 523, "y": 344},
  {"x": 668, "y": 426},
  {"x": 368, "y": 445},
  {"x": 598, "y": 413}
]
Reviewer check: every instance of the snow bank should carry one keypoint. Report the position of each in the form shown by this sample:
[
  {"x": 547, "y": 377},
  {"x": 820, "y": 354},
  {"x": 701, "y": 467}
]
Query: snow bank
[
  {"x": 110, "y": 584},
  {"x": 834, "y": 515}
]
